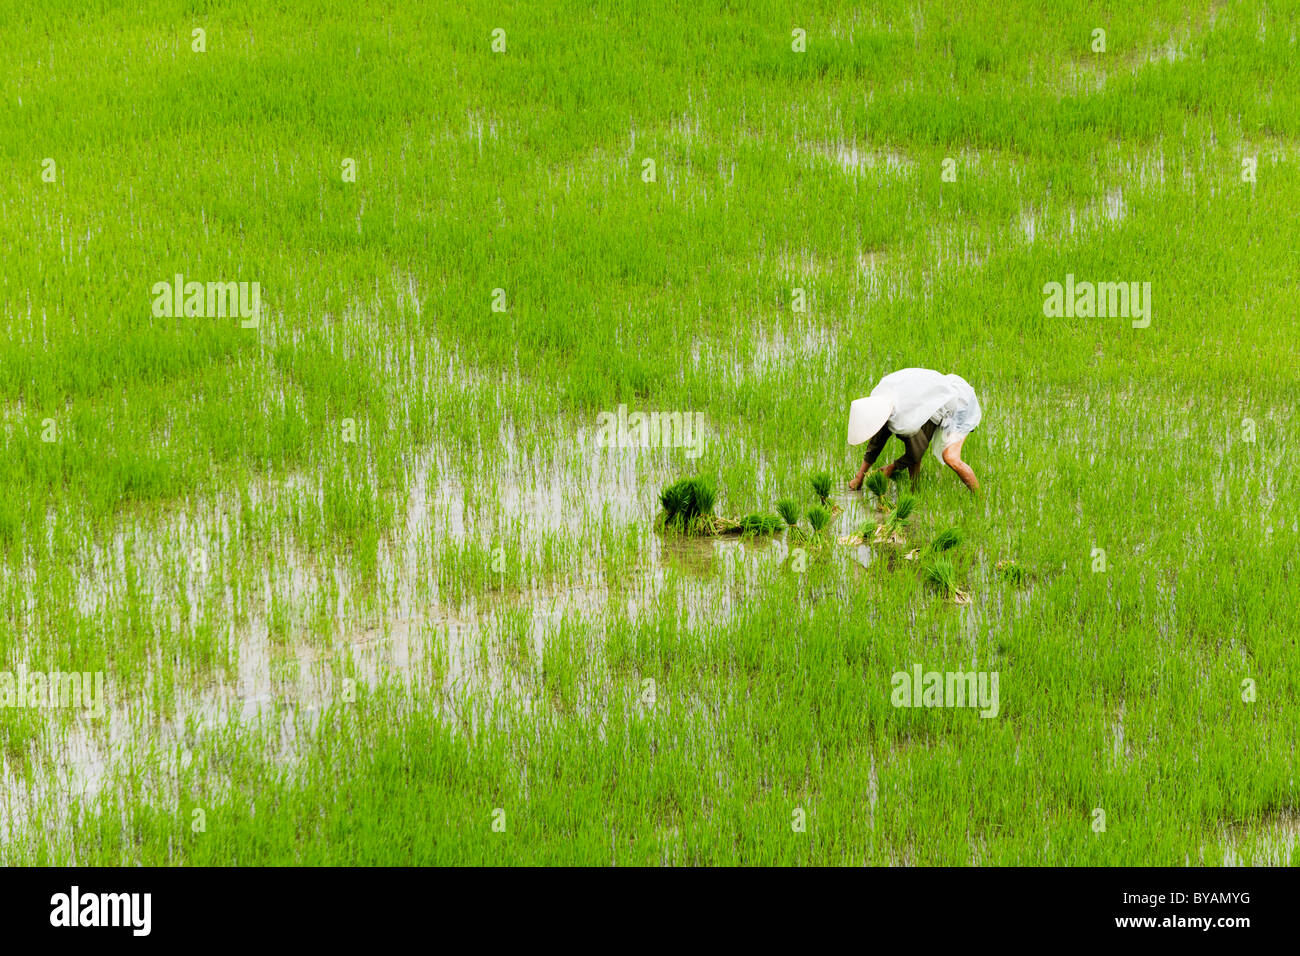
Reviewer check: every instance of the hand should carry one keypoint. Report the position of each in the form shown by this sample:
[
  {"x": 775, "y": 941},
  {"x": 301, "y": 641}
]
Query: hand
[{"x": 855, "y": 484}]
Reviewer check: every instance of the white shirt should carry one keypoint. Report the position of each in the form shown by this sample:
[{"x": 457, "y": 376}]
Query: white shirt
[{"x": 920, "y": 395}]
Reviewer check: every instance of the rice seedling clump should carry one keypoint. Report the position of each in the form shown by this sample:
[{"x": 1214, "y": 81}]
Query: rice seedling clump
[
  {"x": 821, "y": 486},
  {"x": 757, "y": 524},
  {"x": 946, "y": 540},
  {"x": 818, "y": 518},
  {"x": 688, "y": 504}
]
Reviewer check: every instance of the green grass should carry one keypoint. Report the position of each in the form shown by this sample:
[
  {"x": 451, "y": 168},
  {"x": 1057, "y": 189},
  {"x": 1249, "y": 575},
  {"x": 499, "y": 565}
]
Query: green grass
[{"x": 361, "y": 575}]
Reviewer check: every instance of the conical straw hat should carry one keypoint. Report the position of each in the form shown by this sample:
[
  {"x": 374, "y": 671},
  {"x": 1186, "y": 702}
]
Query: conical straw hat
[{"x": 866, "y": 416}]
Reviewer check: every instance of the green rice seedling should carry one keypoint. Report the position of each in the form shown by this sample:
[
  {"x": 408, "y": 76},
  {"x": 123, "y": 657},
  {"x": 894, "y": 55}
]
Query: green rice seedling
[
  {"x": 901, "y": 515},
  {"x": 705, "y": 494},
  {"x": 940, "y": 574},
  {"x": 946, "y": 540},
  {"x": 688, "y": 504},
  {"x": 821, "y": 485},
  {"x": 675, "y": 499},
  {"x": 878, "y": 484},
  {"x": 890, "y": 529},
  {"x": 788, "y": 509},
  {"x": 818, "y": 518},
  {"x": 757, "y": 523},
  {"x": 1010, "y": 571}
]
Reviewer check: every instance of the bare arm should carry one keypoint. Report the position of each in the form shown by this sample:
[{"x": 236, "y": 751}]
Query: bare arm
[{"x": 875, "y": 445}]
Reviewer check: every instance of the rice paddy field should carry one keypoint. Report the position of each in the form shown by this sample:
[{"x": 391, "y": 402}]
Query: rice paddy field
[{"x": 365, "y": 577}]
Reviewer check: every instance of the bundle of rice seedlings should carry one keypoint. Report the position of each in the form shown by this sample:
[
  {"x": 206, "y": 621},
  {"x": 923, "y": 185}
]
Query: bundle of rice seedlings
[
  {"x": 705, "y": 494},
  {"x": 946, "y": 540},
  {"x": 940, "y": 574},
  {"x": 675, "y": 499},
  {"x": 1012, "y": 572},
  {"x": 890, "y": 529},
  {"x": 886, "y": 534},
  {"x": 878, "y": 484},
  {"x": 821, "y": 485},
  {"x": 818, "y": 518},
  {"x": 789, "y": 511},
  {"x": 688, "y": 504},
  {"x": 758, "y": 523}
]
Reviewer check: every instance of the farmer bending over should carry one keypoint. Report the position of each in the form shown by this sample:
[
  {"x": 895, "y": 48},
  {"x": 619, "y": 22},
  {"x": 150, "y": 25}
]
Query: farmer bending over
[{"x": 913, "y": 403}]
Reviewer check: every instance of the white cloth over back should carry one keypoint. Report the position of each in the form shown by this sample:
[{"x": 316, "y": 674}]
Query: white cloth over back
[{"x": 921, "y": 394}]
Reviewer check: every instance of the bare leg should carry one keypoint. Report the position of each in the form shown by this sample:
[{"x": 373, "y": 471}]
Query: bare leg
[
  {"x": 914, "y": 447},
  {"x": 952, "y": 458}
]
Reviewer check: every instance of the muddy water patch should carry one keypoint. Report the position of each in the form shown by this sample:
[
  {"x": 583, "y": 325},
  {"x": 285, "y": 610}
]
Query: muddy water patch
[
  {"x": 487, "y": 650},
  {"x": 858, "y": 159},
  {"x": 804, "y": 346}
]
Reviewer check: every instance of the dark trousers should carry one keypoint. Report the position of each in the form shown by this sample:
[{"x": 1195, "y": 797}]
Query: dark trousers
[{"x": 914, "y": 446}]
